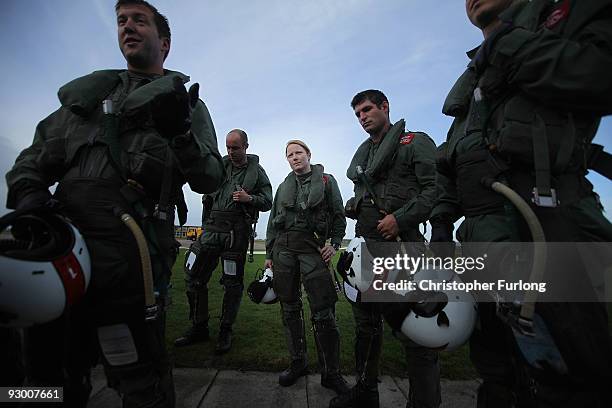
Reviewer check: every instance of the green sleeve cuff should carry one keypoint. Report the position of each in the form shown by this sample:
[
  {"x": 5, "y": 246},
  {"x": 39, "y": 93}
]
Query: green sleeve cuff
[{"x": 403, "y": 221}]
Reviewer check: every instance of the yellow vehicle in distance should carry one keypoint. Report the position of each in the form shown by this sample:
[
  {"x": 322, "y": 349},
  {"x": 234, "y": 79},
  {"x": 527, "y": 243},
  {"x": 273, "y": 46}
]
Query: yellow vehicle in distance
[
  {"x": 193, "y": 233},
  {"x": 187, "y": 232}
]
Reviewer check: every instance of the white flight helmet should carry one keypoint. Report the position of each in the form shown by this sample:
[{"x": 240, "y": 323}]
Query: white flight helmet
[
  {"x": 441, "y": 320},
  {"x": 356, "y": 274},
  {"x": 356, "y": 267},
  {"x": 44, "y": 267},
  {"x": 261, "y": 290}
]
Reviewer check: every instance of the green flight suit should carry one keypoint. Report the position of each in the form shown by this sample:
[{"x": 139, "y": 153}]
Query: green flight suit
[
  {"x": 92, "y": 156},
  {"x": 401, "y": 171},
  {"x": 227, "y": 227},
  {"x": 543, "y": 85},
  {"x": 307, "y": 211}
]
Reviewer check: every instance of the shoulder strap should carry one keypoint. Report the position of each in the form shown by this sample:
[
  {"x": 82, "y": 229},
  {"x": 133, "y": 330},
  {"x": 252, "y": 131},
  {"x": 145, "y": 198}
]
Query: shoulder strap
[{"x": 599, "y": 160}]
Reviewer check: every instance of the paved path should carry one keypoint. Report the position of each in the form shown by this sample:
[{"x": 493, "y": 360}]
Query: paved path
[{"x": 199, "y": 388}]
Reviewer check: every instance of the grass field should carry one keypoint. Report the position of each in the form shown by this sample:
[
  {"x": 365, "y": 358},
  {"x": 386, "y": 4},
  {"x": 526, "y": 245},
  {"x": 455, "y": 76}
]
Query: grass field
[{"x": 259, "y": 340}]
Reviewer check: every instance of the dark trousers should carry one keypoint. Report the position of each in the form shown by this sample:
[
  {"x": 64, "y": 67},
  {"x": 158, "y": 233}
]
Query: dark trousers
[
  {"x": 216, "y": 247},
  {"x": 62, "y": 353},
  {"x": 422, "y": 363}
]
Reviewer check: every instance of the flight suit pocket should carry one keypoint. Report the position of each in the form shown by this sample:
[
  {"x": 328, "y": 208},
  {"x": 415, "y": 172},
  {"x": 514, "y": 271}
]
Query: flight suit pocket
[
  {"x": 146, "y": 160},
  {"x": 319, "y": 287},
  {"x": 520, "y": 126}
]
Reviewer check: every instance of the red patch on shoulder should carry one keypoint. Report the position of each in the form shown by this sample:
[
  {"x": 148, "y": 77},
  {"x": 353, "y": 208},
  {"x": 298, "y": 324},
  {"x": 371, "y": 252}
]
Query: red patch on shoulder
[
  {"x": 557, "y": 15},
  {"x": 407, "y": 138},
  {"x": 325, "y": 179}
]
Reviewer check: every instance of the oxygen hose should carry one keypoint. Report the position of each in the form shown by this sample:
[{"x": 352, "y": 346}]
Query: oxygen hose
[
  {"x": 145, "y": 260},
  {"x": 537, "y": 235},
  {"x": 112, "y": 138}
]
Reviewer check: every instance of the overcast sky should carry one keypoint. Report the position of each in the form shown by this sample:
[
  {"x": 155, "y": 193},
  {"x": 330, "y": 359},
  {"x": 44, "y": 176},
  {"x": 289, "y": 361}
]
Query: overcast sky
[{"x": 279, "y": 69}]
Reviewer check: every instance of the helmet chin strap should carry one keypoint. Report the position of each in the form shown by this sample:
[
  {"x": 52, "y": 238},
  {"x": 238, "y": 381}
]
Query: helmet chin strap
[{"x": 427, "y": 303}]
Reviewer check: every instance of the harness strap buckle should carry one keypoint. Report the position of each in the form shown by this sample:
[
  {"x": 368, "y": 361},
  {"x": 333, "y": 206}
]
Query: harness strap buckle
[{"x": 543, "y": 199}]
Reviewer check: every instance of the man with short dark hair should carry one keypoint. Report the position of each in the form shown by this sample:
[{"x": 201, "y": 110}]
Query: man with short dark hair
[
  {"x": 373, "y": 95},
  {"x": 122, "y": 143},
  {"x": 228, "y": 218},
  {"x": 525, "y": 112},
  {"x": 400, "y": 167},
  {"x": 161, "y": 22}
]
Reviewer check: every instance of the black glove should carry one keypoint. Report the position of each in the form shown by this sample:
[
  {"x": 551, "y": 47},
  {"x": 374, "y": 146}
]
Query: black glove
[
  {"x": 395, "y": 312},
  {"x": 422, "y": 303},
  {"x": 172, "y": 111},
  {"x": 34, "y": 199},
  {"x": 207, "y": 205},
  {"x": 27, "y": 193},
  {"x": 349, "y": 209},
  {"x": 441, "y": 242}
]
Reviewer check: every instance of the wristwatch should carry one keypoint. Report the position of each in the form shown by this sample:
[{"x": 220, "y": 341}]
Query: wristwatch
[{"x": 336, "y": 246}]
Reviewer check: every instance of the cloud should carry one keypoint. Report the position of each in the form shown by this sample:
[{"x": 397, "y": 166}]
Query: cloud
[{"x": 106, "y": 15}]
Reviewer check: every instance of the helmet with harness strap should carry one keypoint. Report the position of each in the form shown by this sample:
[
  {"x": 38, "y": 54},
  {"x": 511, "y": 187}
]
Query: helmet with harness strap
[
  {"x": 441, "y": 319},
  {"x": 351, "y": 267},
  {"x": 44, "y": 267},
  {"x": 261, "y": 290},
  {"x": 437, "y": 319}
]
